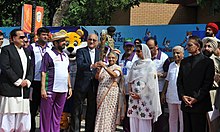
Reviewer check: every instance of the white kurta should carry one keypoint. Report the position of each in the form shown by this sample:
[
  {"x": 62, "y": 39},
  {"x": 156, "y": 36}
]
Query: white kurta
[
  {"x": 15, "y": 111},
  {"x": 172, "y": 95}
]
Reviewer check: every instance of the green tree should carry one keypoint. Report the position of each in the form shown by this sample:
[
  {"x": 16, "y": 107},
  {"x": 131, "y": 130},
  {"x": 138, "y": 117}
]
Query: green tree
[
  {"x": 11, "y": 11},
  {"x": 94, "y": 12},
  {"x": 213, "y": 4},
  {"x": 80, "y": 12}
]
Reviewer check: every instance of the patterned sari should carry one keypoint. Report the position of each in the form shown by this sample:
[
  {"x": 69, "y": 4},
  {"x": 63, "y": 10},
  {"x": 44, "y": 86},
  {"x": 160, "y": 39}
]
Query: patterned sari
[{"x": 108, "y": 98}]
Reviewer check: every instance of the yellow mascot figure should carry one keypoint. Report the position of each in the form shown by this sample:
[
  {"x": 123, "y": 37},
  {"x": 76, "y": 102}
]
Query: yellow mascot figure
[{"x": 74, "y": 43}]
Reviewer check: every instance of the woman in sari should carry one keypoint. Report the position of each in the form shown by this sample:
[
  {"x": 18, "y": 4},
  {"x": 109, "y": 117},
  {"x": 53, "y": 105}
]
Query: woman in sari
[
  {"x": 144, "y": 101},
  {"x": 108, "y": 94}
]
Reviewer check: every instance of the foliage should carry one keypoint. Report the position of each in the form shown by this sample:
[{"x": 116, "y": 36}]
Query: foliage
[
  {"x": 80, "y": 12},
  {"x": 8, "y": 13},
  {"x": 213, "y": 4},
  {"x": 11, "y": 11},
  {"x": 94, "y": 12}
]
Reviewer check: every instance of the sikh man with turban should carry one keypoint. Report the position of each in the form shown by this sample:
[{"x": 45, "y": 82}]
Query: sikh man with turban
[
  {"x": 210, "y": 46},
  {"x": 212, "y": 30}
]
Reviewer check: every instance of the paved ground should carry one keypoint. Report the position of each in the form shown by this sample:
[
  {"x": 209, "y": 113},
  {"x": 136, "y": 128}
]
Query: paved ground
[{"x": 119, "y": 128}]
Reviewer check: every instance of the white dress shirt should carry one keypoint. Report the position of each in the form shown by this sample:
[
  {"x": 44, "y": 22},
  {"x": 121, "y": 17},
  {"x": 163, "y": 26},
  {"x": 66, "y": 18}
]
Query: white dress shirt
[
  {"x": 92, "y": 55},
  {"x": 172, "y": 95}
]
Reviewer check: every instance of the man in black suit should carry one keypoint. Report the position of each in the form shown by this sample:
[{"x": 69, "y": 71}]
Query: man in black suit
[
  {"x": 195, "y": 79},
  {"x": 85, "y": 85},
  {"x": 15, "y": 80}
]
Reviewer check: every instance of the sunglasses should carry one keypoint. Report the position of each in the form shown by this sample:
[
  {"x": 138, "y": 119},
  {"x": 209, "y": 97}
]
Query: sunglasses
[
  {"x": 22, "y": 37},
  {"x": 138, "y": 51},
  {"x": 137, "y": 42},
  {"x": 92, "y": 40},
  {"x": 26, "y": 41}
]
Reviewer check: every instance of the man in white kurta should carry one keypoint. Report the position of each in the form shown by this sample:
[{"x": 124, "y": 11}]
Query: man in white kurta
[{"x": 14, "y": 103}]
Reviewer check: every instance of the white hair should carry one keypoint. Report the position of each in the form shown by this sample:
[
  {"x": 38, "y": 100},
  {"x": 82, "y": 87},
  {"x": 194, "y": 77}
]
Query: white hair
[{"x": 180, "y": 48}]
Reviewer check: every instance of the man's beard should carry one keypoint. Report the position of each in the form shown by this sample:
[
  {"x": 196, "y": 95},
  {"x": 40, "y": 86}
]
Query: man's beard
[
  {"x": 209, "y": 34},
  {"x": 60, "y": 48},
  {"x": 207, "y": 53}
]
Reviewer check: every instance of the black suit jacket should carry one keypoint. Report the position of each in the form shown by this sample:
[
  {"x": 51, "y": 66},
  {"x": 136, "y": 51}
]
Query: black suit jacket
[
  {"x": 85, "y": 75},
  {"x": 12, "y": 70},
  {"x": 195, "y": 79}
]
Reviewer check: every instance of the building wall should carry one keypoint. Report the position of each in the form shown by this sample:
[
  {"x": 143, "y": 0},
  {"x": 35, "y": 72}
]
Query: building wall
[
  {"x": 163, "y": 14},
  {"x": 155, "y": 14},
  {"x": 121, "y": 18},
  {"x": 205, "y": 16},
  {"x": 160, "y": 13}
]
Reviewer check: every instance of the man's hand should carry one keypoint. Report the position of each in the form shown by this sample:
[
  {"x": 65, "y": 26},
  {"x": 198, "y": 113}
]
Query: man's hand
[
  {"x": 186, "y": 100},
  {"x": 43, "y": 93},
  {"x": 189, "y": 101},
  {"x": 24, "y": 83},
  {"x": 163, "y": 98},
  {"x": 70, "y": 93},
  {"x": 95, "y": 65},
  {"x": 193, "y": 100}
]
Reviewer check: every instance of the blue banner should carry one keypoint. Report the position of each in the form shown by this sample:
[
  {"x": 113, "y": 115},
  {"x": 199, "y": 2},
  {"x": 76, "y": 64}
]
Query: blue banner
[{"x": 167, "y": 36}]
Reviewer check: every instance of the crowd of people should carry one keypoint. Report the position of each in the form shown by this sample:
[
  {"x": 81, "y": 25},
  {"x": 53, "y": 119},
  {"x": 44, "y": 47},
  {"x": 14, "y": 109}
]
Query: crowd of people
[{"x": 132, "y": 89}]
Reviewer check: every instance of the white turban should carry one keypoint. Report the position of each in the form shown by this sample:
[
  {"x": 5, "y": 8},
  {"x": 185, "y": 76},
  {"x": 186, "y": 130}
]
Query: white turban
[{"x": 212, "y": 41}]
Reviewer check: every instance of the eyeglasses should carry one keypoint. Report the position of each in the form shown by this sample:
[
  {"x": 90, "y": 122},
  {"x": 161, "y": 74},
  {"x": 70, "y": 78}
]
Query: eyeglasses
[
  {"x": 94, "y": 40},
  {"x": 22, "y": 37},
  {"x": 138, "y": 51}
]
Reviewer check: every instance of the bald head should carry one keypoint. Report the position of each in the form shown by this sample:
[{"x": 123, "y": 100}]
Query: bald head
[{"x": 92, "y": 41}]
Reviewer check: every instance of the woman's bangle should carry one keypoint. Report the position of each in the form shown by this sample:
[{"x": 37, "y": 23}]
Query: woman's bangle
[{"x": 70, "y": 87}]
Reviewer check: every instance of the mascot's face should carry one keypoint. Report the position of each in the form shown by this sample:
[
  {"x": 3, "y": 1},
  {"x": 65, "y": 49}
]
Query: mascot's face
[{"x": 75, "y": 43}]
